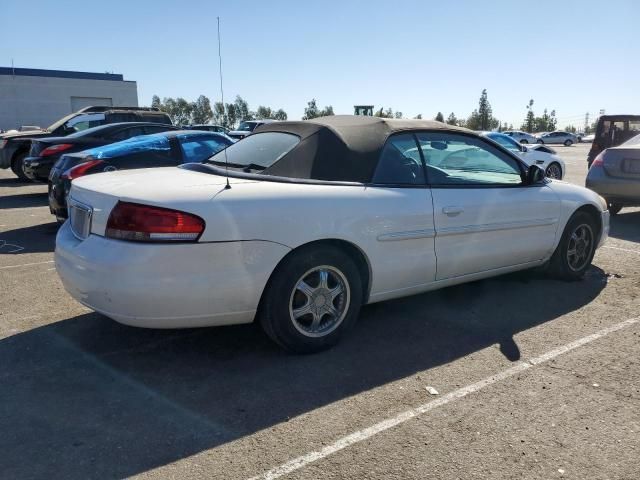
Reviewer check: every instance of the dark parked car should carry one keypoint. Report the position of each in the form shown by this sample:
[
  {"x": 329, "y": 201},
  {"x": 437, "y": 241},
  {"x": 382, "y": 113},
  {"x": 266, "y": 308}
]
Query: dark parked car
[
  {"x": 207, "y": 128},
  {"x": 14, "y": 147},
  {"x": 611, "y": 131},
  {"x": 45, "y": 152},
  {"x": 166, "y": 149},
  {"x": 246, "y": 127},
  {"x": 615, "y": 175}
]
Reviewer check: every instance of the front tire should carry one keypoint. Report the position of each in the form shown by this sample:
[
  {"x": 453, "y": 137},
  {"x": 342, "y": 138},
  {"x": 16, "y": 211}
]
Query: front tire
[
  {"x": 524, "y": 141},
  {"x": 17, "y": 167},
  {"x": 576, "y": 249},
  {"x": 554, "y": 171},
  {"x": 312, "y": 299},
  {"x": 540, "y": 142}
]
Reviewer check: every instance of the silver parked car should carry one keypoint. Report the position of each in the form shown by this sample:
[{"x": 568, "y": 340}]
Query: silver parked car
[
  {"x": 565, "y": 138},
  {"x": 521, "y": 137},
  {"x": 615, "y": 175}
]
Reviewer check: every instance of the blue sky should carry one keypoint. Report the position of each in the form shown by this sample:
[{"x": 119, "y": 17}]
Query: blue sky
[{"x": 413, "y": 56}]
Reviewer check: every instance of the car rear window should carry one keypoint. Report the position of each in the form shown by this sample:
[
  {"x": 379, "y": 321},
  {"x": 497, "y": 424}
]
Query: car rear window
[{"x": 260, "y": 150}]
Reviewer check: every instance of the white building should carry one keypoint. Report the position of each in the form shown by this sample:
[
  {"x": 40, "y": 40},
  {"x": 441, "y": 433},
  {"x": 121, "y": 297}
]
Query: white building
[{"x": 40, "y": 97}]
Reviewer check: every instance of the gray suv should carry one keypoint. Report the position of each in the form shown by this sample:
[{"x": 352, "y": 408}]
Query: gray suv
[{"x": 14, "y": 147}]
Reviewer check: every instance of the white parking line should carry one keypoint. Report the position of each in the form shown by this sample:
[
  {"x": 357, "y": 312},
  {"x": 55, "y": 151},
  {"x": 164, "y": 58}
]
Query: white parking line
[
  {"x": 623, "y": 249},
  {"x": 26, "y": 264},
  {"x": 359, "y": 436}
]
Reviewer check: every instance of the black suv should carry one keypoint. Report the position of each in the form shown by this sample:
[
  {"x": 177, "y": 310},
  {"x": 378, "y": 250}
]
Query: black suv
[{"x": 14, "y": 147}]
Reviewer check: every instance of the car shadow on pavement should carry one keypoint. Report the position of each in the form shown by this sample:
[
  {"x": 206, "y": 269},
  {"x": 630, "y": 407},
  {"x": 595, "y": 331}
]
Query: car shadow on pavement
[
  {"x": 14, "y": 182},
  {"x": 626, "y": 226},
  {"x": 37, "y": 238},
  {"x": 87, "y": 397},
  {"x": 26, "y": 200}
]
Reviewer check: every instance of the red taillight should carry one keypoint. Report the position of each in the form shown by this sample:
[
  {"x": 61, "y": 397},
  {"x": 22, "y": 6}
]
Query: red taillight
[
  {"x": 81, "y": 170},
  {"x": 54, "y": 149},
  {"x": 143, "y": 223},
  {"x": 599, "y": 160}
]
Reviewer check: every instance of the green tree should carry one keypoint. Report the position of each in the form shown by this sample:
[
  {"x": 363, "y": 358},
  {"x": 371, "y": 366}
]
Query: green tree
[
  {"x": 439, "y": 117},
  {"x": 398, "y": 115},
  {"x": 282, "y": 115},
  {"x": 451, "y": 119},
  {"x": 219, "y": 114},
  {"x": 264, "y": 112},
  {"x": 201, "y": 110},
  {"x": 232, "y": 115},
  {"x": 485, "y": 113},
  {"x": 155, "y": 102},
  {"x": 418, "y": 117},
  {"x": 311, "y": 111},
  {"x": 242, "y": 109},
  {"x": 530, "y": 119}
]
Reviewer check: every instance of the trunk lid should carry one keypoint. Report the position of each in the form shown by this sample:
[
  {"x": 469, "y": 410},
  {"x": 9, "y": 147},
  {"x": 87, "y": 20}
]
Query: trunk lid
[{"x": 169, "y": 187}]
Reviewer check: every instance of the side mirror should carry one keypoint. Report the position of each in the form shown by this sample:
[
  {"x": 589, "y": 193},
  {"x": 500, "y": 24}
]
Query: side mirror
[
  {"x": 535, "y": 175},
  {"x": 524, "y": 149}
]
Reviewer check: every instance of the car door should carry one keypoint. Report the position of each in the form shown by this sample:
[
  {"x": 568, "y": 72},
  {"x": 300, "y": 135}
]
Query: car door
[
  {"x": 485, "y": 217},
  {"x": 401, "y": 231}
]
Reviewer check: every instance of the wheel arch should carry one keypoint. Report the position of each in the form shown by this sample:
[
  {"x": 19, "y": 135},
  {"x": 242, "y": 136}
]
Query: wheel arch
[
  {"x": 356, "y": 253},
  {"x": 594, "y": 213}
]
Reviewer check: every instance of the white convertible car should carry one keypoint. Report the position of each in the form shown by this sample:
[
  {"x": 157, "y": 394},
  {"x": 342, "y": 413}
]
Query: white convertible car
[{"x": 301, "y": 223}]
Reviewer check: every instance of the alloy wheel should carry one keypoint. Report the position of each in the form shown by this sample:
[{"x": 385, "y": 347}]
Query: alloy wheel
[
  {"x": 319, "y": 301},
  {"x": 580, "y": 247},
  {"x": 554, "y": 171}
]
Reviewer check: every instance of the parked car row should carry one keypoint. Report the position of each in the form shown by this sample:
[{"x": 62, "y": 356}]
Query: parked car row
[
  {"x": 558, "y": 137},
  {"x": 167, "y": 149},
  {"x": 303, "y": 222},
  {"x": 15, "y": 147}
]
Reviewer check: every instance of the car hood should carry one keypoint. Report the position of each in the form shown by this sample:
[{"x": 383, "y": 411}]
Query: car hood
[{"x": 576, "y": 195}]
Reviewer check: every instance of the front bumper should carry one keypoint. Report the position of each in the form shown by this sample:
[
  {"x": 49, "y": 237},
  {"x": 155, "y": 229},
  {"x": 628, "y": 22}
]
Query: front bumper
[
  {"x": 604, "y": 234},
  {"x": 166, "y": 285},
  {"x": 6, "y": 154}
]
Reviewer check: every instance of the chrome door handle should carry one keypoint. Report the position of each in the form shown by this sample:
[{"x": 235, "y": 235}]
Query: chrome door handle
[{"x": 452, "y": 211}]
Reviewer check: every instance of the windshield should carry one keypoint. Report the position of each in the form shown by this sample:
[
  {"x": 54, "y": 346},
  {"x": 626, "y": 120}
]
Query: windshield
[
  {"x": 247, "y": 126},
  {"x": 60, "y": 122},
  {"x": 507, "y": 142},
  {"x": 258, "y": 151}
]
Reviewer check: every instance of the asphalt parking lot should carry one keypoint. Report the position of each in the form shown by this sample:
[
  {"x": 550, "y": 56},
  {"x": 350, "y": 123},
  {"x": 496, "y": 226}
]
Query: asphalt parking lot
[{"x": 535, "y": 378}]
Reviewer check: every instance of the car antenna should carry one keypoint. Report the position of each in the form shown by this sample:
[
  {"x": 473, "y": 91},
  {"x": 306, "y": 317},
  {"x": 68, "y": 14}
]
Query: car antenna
[{"x": 226, "y": 161}]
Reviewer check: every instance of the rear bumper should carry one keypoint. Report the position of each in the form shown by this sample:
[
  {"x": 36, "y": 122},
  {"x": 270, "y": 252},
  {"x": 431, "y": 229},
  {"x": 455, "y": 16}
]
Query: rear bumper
[
  {"x": 36, "y": 168},
  {"x": 614, "y": 189},
  {"x": 58, "y": 199},
  {"x": 166, "y": 285}
]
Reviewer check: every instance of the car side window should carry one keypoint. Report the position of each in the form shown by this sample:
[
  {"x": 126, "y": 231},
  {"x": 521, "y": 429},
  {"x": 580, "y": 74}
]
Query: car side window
[
  {"x": 400, "y": 162},
  {"x": 127, "y": 133},
  {"x": 198, "y": 149},
  {"x": 454, "y": 159},
  {"x": 148, "y": 130}
]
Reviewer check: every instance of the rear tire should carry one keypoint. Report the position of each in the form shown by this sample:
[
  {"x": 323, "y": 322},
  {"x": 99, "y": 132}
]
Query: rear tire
[
  {"x": 18, "y": 168},
  {"x": 524, "y": 141},
  {"x": 311, "y": 299},
  {"x": 576, "y": 249},
  {"x": 614, "y": 208},
  {"x": 540, "y": 142},
  {"x": 568, "y": 143}
]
